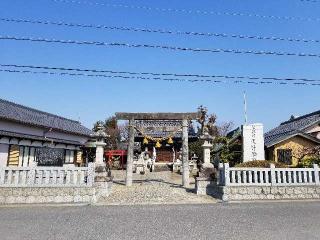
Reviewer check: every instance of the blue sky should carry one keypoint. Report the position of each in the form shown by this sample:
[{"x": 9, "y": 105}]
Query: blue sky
[{"x": 91, "y": 99}]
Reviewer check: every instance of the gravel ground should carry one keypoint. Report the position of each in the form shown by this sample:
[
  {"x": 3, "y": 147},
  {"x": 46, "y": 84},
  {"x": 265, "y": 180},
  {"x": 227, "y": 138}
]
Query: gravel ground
[
  {"x": 277, "y": 220},
  {"x": 153, "y": 188}
]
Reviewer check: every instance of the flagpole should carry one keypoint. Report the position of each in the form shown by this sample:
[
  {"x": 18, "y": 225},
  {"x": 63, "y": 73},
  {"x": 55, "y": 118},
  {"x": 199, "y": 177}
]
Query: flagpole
[{"x": 245, "y": 108}]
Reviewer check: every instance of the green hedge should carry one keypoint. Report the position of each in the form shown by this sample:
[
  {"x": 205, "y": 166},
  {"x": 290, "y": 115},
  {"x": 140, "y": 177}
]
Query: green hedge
[
  {"x": 308, "y": 162},
  {"x": 261, "y": 164}
]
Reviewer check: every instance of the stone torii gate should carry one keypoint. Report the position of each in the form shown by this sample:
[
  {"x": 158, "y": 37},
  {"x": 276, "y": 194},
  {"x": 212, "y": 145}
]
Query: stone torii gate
[{"x": 183, "y": 117}]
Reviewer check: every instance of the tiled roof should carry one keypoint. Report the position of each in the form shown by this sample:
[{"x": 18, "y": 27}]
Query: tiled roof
[
  {"x": 165, "y": 134},
  {"x": 37, "y": 138},
  {"x": 22, "y": 114},
  {"x": 290, "y": 128},
  {"x": 162, "y": 128}
]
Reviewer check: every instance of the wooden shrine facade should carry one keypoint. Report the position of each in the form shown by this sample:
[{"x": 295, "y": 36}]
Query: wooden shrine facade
[{"x": 162, "y": 138}]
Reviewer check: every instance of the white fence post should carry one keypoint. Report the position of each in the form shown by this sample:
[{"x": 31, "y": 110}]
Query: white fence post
[
  {"x": 316, "y": 173},
  {"x": 226, "y": 174},
  {"x": 273, "y": 174}
]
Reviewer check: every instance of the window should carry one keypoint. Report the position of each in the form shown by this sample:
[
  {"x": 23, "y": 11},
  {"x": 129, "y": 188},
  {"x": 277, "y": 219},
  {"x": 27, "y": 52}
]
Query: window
[
  {"x": 285, "y": 156},
  {"x": 69, "y": 157},
  {"x": 26, "y": 156}
]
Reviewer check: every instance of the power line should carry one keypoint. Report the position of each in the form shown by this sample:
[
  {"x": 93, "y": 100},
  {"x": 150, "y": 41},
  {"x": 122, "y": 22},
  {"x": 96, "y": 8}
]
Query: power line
[
  {"x": 161, "y": 31},
  {"x": 187, "y": 11},
  {"x": 310, "y": 1},
  {"x": 159, "y": 74},
  {"x": 163, "y": 79},
  {"x": 228, "y": 79},
  {"x": 164, "y": 47}
]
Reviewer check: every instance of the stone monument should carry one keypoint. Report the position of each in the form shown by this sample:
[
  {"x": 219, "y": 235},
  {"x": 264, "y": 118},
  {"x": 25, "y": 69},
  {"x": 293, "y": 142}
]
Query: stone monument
[{"x": 253, "y": 142}]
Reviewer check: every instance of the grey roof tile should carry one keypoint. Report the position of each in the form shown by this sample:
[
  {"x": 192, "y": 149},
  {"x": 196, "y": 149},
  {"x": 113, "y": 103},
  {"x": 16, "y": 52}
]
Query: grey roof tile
[
  {"x": 291, "y": 127},
  {"x": 26, "y": 115}
]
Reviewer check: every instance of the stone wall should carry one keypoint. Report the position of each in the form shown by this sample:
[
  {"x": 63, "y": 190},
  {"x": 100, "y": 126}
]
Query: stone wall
[
  {"x": 32, "y": 195},
  {"x": 231, "y": 193}
]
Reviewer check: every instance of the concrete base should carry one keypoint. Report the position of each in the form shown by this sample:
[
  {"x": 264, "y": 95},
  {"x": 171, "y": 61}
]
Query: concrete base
[
  {"x": 246, "y": 193},
  {"x": 34, "y": 195},
  {"x": 205, "y": 186},
  {"x": 24, "y": 195},
  {"x": 102, "y": 189}
]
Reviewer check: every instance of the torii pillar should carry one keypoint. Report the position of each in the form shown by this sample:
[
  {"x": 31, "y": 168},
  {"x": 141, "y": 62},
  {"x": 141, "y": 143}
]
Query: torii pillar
[
  {"x": 129, "y": 168},
  {"x": 185, "y": 154}
]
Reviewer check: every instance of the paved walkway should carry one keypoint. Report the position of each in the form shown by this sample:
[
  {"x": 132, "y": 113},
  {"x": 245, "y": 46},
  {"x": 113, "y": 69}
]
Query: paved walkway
[{"x": 153, "y": 188}]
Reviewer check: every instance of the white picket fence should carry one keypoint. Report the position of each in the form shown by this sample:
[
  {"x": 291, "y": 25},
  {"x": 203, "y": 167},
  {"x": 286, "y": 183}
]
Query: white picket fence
[
  {"x": 47, "y": 176},
  {"x": 268, "y": 176}
]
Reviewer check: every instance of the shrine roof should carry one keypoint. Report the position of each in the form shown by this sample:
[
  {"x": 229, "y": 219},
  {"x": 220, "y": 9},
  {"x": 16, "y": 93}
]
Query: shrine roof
[
  {"x": 157, "y": 116},
  {"x": 161, "y": 128},
  {"x": 165, "y": 134}
]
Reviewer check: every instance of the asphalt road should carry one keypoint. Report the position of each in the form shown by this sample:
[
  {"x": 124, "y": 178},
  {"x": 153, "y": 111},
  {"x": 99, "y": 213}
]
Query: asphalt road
[{"x": 292, "y": 220}]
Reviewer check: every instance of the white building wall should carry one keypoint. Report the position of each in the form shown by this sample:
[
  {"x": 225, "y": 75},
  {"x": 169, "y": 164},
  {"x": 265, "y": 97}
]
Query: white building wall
[{"x": 4, "y": 151}]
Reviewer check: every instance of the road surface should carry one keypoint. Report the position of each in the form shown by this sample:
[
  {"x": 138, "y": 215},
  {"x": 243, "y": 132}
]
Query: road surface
[{"x": 285, "y": 220}]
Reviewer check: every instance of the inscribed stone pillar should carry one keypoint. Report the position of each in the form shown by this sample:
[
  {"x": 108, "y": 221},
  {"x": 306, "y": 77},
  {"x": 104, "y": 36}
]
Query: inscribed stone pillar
[
  {"x": 185, "y": 154},
  {"x": 100, "y": 166},
  {"x": 130, "y": 153},
  {"x": 99, "y": 153},
  {"x": 253, "y": 142},
  {"x": 206, "y": 152},
  {"x": 207, "y": 168}
]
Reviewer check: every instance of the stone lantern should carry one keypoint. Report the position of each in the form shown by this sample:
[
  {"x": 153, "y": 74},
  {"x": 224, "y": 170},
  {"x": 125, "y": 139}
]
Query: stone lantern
[
  {"x": 207, "y": 168},
  {"x": 207, "y": 124},
  {"x": 100, "y": 166}
]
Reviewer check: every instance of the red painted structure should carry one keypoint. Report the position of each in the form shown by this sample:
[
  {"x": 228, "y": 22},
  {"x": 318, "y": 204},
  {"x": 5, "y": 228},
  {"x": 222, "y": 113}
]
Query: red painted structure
[{"x": 116, "y": 153}]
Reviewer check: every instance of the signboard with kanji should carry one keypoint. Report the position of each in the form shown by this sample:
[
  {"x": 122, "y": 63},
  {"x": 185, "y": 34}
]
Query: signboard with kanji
[
  {"x": 50, "y": 157},
  {"x": 253, "y": 142}
]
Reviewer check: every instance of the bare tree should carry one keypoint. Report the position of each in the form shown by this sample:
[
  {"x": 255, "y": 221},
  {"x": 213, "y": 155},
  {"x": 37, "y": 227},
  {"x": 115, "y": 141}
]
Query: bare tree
[
  {"x": 225, "y": 128},
  {"x": 124, "y": 131},
  {"x": 301, "y": 153}
]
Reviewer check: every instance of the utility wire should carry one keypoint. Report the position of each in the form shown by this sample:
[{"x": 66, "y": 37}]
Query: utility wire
[
  {"x": 186, "y": 11},
  {"x": 173, "y": 48},
  {"x": 158, "y": 74},
  {"x": 310, "y": 1},
  {"x": 163, "y": 79},
  {"x": 227, "y": 79},
  {"x": 161, "y": 31}
]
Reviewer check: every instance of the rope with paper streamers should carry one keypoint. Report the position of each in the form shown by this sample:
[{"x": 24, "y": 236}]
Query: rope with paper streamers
[{"x": 158, "y": 140}]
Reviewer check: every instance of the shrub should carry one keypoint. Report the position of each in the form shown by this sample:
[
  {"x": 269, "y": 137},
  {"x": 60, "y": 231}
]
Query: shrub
[
  {"x": 261, "y": 164},
  {"x": 308, "y": 162}
]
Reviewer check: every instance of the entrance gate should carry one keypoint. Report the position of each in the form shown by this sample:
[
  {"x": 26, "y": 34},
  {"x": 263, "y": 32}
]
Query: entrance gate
[{"x": 185, "y": 118}]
